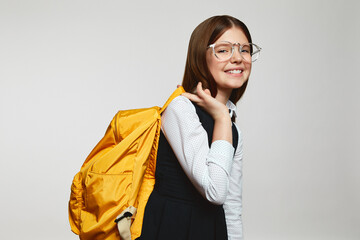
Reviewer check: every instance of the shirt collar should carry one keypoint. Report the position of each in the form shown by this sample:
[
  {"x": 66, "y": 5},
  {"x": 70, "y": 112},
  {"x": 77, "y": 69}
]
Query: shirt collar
[{"x": 232, "y": 108}]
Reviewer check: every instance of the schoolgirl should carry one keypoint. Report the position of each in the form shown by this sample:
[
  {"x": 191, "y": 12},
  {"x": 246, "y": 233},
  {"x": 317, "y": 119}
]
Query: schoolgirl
[{"x": 198, "y": 189}]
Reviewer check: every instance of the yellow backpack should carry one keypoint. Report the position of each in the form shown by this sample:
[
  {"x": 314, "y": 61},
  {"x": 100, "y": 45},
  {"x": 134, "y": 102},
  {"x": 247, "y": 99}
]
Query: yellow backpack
[{"x": 118, "y": 173}]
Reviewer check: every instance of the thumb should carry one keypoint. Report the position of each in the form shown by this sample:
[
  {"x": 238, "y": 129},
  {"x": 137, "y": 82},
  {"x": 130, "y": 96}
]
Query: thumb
[{"x": 207, "y": 91}]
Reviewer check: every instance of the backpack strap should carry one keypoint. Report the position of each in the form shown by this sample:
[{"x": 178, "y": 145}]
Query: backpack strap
[{"x": 176, "y": 93}]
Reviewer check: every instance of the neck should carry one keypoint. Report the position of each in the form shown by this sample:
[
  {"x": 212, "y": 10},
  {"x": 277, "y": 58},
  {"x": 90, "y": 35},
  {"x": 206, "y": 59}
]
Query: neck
[{"x": 223, "y": 97}]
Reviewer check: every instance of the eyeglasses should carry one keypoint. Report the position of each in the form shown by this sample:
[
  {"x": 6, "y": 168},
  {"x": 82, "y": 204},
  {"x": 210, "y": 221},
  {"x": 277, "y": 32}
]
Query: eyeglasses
[{"x": 225, "y": 50}]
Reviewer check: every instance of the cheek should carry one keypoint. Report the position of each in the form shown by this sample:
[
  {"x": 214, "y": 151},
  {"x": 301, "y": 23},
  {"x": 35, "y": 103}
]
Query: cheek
[
  {"x": 215, "y": 67},
  {"x": 248, "y": 66}
]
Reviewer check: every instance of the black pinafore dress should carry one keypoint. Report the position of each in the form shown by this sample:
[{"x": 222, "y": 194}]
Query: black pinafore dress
[{"x": 175, "y": 209}]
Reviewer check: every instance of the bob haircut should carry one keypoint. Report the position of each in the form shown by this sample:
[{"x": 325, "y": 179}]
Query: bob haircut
[{"x": 196, "y": 69}]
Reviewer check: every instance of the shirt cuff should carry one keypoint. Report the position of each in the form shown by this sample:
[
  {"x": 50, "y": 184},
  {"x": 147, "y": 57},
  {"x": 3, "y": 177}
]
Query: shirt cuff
[{"x": 221, "y": 153}]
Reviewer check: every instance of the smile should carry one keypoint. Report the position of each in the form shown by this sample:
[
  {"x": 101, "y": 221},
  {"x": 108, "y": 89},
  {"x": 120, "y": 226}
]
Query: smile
[{"x": 234, "y": 71}]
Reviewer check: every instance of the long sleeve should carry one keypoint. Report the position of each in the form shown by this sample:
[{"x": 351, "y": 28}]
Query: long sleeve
[
  {"x": 233, "y": 202},
  {"x": 208, "y": 169}
]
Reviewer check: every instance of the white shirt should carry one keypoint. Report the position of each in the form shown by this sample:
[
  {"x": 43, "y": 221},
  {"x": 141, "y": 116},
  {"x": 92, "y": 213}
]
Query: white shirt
[{"x": 216, "y": 172}]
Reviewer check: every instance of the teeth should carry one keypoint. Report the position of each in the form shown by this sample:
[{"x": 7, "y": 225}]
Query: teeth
[{"x": 235, "y": 71}]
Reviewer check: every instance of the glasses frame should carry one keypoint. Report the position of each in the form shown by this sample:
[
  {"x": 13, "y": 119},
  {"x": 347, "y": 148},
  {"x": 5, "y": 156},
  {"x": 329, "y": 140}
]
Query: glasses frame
[{"x": 240, "y": 50}]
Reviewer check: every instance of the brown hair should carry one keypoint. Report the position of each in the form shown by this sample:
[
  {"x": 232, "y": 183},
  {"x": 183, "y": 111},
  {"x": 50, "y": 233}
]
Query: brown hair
[{"x": 196, "y": 69}]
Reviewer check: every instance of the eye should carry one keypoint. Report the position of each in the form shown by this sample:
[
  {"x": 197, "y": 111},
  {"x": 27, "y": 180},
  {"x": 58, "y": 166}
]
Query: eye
[
  {"x": 246, "y": 49},
  {"x": 222, "y": 50}
]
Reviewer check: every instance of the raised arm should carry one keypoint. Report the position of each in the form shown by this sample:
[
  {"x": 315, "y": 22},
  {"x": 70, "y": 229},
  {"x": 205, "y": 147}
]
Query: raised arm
[{"x": 208, "y": 168}]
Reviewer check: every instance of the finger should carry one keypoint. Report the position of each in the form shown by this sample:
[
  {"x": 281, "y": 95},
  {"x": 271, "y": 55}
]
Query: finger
[
  {"x": 203, "y": 94},
  {"x": 207, "y": 91},
  {"x": 191, "y": 97},
  {"x": 177, "y": 86},
  {"x": 199, "y": 90}
]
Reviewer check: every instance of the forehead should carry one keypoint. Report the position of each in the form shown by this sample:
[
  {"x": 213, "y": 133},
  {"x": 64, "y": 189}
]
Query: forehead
[{"x": 233, "y": 35}]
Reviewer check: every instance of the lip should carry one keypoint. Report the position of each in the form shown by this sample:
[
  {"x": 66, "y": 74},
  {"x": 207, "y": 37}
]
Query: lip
[
  {"x": 227, "y": 71},
  {"x": 237, "y": 68}
]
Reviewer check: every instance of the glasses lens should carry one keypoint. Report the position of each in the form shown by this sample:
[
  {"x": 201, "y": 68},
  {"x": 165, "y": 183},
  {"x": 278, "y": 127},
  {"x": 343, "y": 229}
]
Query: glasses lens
[
  {"x": 246, "y": 52},
  {"x": 223, "y": 51},
  {"x": 255, "y": 52}
]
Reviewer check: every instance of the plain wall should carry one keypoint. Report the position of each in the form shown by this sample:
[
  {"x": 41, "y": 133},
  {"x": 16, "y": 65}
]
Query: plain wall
[{"x": 66, "y": 67}]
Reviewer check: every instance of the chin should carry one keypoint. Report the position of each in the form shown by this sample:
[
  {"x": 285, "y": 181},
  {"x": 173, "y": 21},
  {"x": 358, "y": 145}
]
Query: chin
[{"x": 240, "y": 83}]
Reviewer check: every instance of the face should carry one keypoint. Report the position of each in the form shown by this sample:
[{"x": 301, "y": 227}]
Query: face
[{"x": 232, "y": 73}]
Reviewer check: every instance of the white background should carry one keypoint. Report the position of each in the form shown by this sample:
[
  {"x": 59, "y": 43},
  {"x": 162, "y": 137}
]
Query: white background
[{"x": 66, "y": 67}]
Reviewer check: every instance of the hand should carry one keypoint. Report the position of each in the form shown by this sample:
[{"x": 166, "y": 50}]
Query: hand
[{"x": 203, "y": 98}]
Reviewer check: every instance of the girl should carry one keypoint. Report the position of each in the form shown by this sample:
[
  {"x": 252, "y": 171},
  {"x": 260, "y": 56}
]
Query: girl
[{"x": 197, "y": 194}]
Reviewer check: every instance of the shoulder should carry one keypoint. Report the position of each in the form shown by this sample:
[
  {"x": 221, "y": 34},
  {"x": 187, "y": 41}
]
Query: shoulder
[
  {"x": 180, "y": 105},
  {"x": 180, "y": 112}
]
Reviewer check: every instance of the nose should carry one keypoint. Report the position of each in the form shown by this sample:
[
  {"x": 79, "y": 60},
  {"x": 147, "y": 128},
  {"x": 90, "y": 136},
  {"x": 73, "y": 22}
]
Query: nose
[{"x": 236, "y": 57}]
